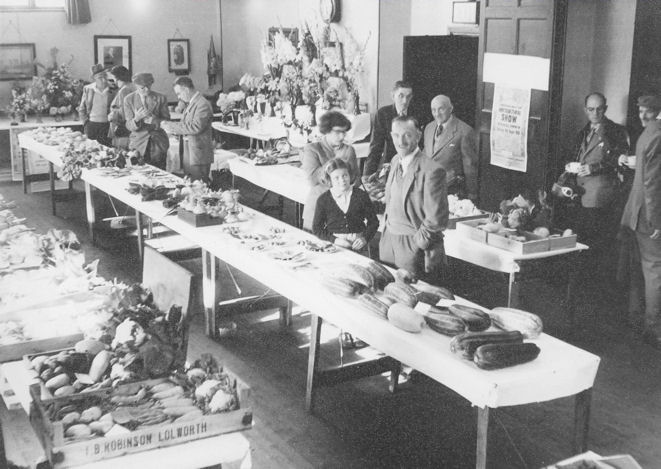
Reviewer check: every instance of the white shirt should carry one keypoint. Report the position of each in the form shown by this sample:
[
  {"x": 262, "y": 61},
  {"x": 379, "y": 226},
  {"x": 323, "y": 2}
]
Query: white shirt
[
  {"x": 405, "y": 161},
  {"x": 342, "y": 199}
]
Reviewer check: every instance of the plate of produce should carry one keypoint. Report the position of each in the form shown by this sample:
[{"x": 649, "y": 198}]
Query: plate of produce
[
  {"x": 318, "y": 246},
  {"x": 287, "y": 255}
]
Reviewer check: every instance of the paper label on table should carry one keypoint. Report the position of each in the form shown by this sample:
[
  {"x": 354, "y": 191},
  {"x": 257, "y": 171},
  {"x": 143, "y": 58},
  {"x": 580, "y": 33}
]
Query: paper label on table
[{"x": 422, "y": 308}]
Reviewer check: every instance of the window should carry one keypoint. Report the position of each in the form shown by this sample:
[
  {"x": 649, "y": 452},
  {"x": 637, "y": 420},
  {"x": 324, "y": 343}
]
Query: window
[{"x": 32, "y": 4}]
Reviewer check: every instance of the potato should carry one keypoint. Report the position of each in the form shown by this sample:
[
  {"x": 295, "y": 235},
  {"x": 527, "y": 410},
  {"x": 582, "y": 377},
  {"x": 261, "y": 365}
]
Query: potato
[{"x": 78, "y": 431}]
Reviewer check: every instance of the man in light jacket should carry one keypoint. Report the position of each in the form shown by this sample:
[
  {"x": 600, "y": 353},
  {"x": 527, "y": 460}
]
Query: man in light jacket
[
  {"x": 94, "y": 106},
  {"x": 416, "y": 206},
  {"x": 195, "y": 124}
]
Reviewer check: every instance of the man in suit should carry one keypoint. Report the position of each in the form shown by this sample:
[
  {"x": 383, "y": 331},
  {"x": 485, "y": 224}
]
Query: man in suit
[
  {"x": 597, "y": 148},
  {"x": 381, "y": 146},
  {"x": 416, "y": 206},
  {"x": 642, "y": 213},
  {"x": 144, "y": 111},
  {"x": 452, "y": 143},
  {"x": 195, "y": 124}
]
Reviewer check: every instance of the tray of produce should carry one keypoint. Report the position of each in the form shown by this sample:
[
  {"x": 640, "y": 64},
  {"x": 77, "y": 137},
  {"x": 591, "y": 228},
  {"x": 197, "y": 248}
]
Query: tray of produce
[
  {"x": 137, "y": 342},
  {"x": 197, "y": 401}
]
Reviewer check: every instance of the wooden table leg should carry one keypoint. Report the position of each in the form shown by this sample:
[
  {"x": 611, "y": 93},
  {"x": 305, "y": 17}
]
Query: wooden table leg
[
  {"x": 89, "y": 208},
  {"x": 51, "y": 179},
  {"x": 513, "y": 291},
  {"x": 482, "y": 434},
  {"x": 313, "y": 360},
  {"x": 138, "y": 226},
  {"x": 209, "y": 291},
  {"x": 299, "y": 215},
  {"x": 569, "y": 295},
  {"x": 582, "y": 420},
  {"x": 285, "y": 314},
  {"x": 24, "y": 154}
]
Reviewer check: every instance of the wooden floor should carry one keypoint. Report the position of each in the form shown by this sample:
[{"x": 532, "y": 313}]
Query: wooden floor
[{"x": 360, "y": 424}]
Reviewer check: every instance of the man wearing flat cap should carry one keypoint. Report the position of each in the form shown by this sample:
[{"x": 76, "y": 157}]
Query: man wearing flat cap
[
  {"x": 642, "y": 214},
  {"x": 94, "y": 106},
  {"x": 144, "y": 111}
]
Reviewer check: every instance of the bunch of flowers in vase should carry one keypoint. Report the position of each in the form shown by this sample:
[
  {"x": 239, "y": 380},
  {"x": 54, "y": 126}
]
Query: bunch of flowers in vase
[
  {"x": 59, "y": 91},
  {"x": 39, "y": 102},
  {"x": 230, "y": 105},
  {"x": 20, "y": 104}
]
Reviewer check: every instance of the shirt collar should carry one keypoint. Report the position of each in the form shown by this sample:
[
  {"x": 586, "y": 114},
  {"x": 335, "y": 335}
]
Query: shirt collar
[
  {"x": 406, "y": 160},
  {"x": 341, "y": 194}
]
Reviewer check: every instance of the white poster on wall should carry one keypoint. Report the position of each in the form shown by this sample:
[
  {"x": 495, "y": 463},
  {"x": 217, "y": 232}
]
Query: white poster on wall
[{"x": 509, "y": 127}]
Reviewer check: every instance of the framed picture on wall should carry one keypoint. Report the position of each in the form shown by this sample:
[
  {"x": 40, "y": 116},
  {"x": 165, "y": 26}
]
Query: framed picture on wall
[
  {"x": 179, "y": 56},
  {"x": 112, "y": 50},
  {"x": 465, "y": 12},
  {"x": 17, "y": 61}
]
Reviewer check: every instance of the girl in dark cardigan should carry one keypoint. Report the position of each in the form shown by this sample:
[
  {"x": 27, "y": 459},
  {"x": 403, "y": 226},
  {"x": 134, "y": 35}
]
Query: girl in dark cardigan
[{"x": 344, "y": 214}]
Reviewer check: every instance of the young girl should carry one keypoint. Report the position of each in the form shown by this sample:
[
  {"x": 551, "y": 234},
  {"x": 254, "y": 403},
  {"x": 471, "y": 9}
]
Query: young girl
[{"x": 344, "y": 214}]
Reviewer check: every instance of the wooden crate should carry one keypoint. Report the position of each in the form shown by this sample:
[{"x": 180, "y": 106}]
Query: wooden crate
[
  {"x": 62, "y": 452},
  {"x": 532, "y": 244},
  {"x": 198, "y": 220},
  {"x": 471, "y": 230},
  {"x": 452, "y": 221},
  {"x": 12, "y": 352},
  {"x": 562, "y": 242}
]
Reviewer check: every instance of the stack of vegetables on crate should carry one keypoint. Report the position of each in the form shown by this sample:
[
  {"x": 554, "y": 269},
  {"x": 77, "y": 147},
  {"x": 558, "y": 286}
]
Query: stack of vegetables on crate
[
  {"x": 492, "y": 339},
  {"x": 188, "y": 393},
  {"x": 137, "y": 342}
]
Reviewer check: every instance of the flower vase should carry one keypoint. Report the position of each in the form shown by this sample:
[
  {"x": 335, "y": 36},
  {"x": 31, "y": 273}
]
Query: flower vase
[
  {"x": 235, "y": 116},
  {"x": 272, "y": 104},
  {"x": 356, "y": 103},
  {"x": 14, "y": 121},
  {"x": 313, "y": 115},
  {"x": 22, "y": 117},
  {"x": 58, "y": 118}
]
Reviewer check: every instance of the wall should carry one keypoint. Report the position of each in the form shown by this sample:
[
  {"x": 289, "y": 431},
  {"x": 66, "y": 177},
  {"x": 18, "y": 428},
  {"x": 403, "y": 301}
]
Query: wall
[
  {"x": 149, "y": 23},
  {"x": 430, "y": 17},
  {"x": 394, "y": 24},
  {"x": 242, "y": 39},
  {"x": 597, "y": 58}
]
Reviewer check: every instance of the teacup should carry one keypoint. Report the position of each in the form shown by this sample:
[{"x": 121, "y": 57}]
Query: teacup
[{"x": 573, "y": 167}]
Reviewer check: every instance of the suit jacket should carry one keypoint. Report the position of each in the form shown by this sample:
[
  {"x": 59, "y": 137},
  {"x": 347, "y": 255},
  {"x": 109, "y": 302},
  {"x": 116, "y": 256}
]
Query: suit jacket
[
  {"x": 601, "y": 153},
  {"x": 141, "y": 132},
  {"x": 643, "y": 209},
  {"x": 425, "y": 202},
  {"x": 456, "y": 152},
  {"x": 382, "y": 148},
  {"x": 196, "y": 124},
  {"x": 315, "y": 156},
  {"x": 118, "y": 121},
  {"x": 85, "y": 106},
  {"x": 359, "y": 218}
]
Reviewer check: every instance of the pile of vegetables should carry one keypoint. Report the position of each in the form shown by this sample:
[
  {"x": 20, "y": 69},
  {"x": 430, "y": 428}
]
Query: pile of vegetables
[
  {"x": 191, "y": 392},
  {"x": 138, "y": 342}
]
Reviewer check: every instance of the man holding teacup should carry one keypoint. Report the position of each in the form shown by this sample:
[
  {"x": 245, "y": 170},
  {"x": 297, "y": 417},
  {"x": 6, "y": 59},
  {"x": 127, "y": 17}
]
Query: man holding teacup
[{"x": 594, "y": 162}]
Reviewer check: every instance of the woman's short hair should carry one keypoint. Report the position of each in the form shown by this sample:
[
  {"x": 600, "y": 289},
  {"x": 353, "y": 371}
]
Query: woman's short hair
[
  {"x": 333, "y": 119},
  {"x": 121, "y": 73},
  {"x": 332, "y": 165}
]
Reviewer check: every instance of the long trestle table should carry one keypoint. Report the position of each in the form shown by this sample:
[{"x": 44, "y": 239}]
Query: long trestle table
[{"x": 561, "y": 370}]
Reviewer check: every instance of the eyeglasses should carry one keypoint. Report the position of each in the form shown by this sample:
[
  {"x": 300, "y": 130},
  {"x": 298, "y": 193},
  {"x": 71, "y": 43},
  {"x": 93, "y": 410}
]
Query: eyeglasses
[{"x": 597, "y": 109}]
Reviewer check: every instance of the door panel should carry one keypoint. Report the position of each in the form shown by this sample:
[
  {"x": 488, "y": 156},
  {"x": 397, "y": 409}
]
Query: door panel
[{"x": 527, "y": 28}]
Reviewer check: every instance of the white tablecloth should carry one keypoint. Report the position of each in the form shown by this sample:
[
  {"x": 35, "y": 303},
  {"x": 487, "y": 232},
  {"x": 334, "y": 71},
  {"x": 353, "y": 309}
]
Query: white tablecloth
[{"x": 560, "y": 370}]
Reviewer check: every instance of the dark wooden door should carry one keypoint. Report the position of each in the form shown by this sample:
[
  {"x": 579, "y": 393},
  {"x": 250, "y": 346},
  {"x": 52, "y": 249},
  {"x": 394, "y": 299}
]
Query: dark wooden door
[
  {"x": 645, "y": 60},
  {"x": 522, "y": 27},
  {"x": 442, "y": 65}
]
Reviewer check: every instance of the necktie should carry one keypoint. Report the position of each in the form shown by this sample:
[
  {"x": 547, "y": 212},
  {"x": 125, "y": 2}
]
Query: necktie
[{"x": 439, "y": 131}]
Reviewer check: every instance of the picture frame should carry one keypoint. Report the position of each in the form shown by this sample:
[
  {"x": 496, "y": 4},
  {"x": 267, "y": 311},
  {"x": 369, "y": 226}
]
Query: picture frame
[
  {"x": 17, "y": 61},
  {"x": 179, "y": 56},
  {"x": 290, "y": 33},
  {"x": 465, "y": 12},
  {"x": 112, "y": 50}
]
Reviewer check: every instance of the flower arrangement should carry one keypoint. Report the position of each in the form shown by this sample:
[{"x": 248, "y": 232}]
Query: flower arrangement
[
  {"x": 20, "y": 103},
  {"x": 76, "y": 158}
]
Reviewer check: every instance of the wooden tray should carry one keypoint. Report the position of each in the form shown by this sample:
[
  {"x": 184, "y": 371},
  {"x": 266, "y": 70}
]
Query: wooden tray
[
  {"x": 469, "y": 228},
  {"x": 562, "y": 242},
  {"x": 63, "y": 453},
  {"x": 532, "y": 244},
  {"x": 198, "y": 220},
  {"x": 452, "y": 221}
]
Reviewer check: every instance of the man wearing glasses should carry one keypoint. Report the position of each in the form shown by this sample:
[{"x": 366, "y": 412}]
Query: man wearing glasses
[{"x": 594, "y": 161}]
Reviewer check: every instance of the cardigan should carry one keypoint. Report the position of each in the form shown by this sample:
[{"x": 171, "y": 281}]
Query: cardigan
[{"x": 360, "y": 216}]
